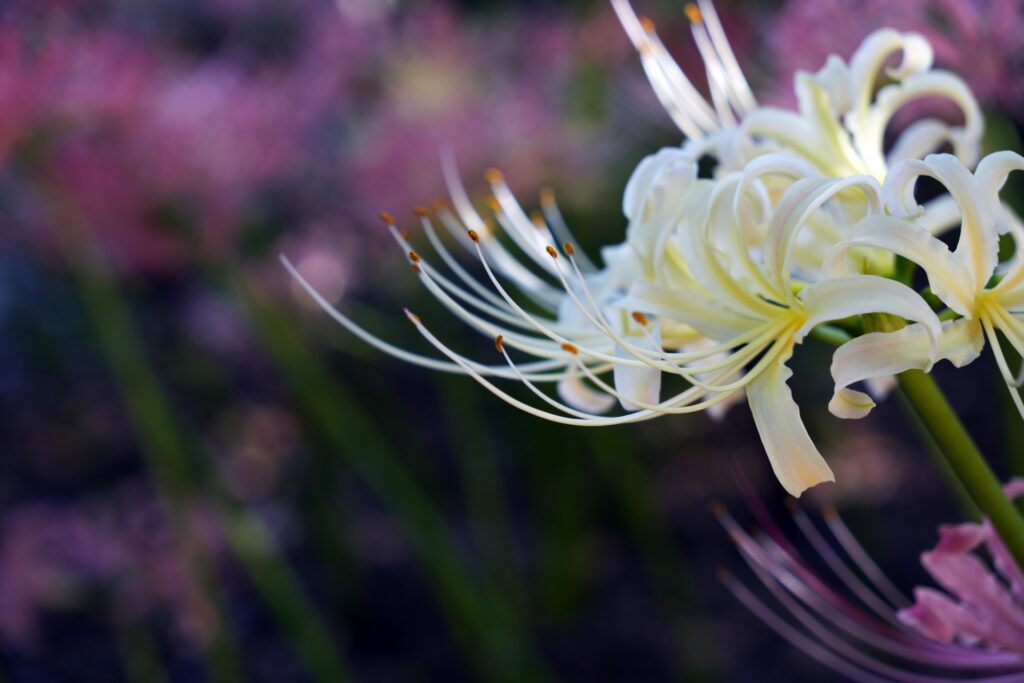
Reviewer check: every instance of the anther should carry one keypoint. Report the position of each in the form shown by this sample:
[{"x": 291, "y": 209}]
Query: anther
[
  {"x": 493, "y": 175},
  {"x": 421, "y": 211},
  {"x": 693, "y": 13},
  {"x": 723, "y": 574},
  {"x": 387, "y": 218},
  {"x": 645, "y": 48},
  {"x": 414, "y": 257},
  {"x": 570, "y": 348},
  {"x": 551, "y": 251},
  {"x": 499, "y": 343},
  {"x": 716, "y": 507},
  {"x": 415, "y": 268},
  {"x": 640, "y": 318},
  {"x": 404, "y": 233},
  {"x": 569, "y": 249},
  {"x": 493, "y": 204},
  {"x": 413, "y": 318},
  {"x": 537, "y": 218},
  {"x": 547, "y": 195},
  {"x": 475, "y": 236},
  {"x": 829, "y": 512},
  {"x": 647, "y": 25}
]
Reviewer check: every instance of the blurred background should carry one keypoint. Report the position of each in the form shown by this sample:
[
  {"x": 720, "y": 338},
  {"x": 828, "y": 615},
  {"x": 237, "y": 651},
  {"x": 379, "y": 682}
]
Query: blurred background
[{"x": 205, "y": 479}]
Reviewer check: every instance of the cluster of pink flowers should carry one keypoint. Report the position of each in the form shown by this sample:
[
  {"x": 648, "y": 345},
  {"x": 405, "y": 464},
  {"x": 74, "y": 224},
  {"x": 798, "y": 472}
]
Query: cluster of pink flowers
[
  {"x": 167, "y": 153},
  {"x": 59, "y": 556},
  {"x": 160, "y": 152}
]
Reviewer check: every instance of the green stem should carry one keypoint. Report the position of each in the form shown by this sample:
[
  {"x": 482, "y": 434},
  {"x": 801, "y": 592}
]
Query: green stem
[{"x": 964, "y": 458}]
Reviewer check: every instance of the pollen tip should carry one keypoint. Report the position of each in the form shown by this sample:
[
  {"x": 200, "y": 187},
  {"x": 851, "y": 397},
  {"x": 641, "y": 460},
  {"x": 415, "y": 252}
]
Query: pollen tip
[
  {"x": 439, "y": 204},
  {"x": 416, "y": 268},
  {"x": 829, "y": 512},
  {"x": 645, "y": 48},
  {"x": 414, "y": 257},
  {"x": 537, "y": 218},
  {"x": 474, "y": 235},
  {"x": 387, "y": 218},
  {"x": 499, "y": 343},
  {"x": 493, "y": 204},
  {"x": 404, "y": 233},
  {"x": 792, "y": 504},
  {"x": 421, "y": 211},
  {"x": 493, "y": 175},
  {"x": 647, "y": 25},
  {"x": 569, "y": 249},
  {"x": 551, "y": 251},
  {"x": 723, "y": 574},
  {"x": 693, "y": 13},
  {"x": 640, "y": 318},
  {"x": 716, "y": 507},
  {"x": 570, "y": 348},
  {"x": 413, "y": 318},
  {"x": 547, "y": 195}
]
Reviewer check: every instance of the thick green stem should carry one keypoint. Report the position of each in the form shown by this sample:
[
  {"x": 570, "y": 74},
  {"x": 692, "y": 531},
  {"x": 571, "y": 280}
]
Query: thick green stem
[{"x": 964, "y": 458}]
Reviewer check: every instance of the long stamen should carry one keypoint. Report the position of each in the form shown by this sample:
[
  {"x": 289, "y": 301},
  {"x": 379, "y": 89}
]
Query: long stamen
[
  {"x": 454, "y": 265},
  {"x": 840, "y": 568},
  {"x": 560, "y": 228},
  {"x": 639, "y": 416},
  {"x": 398, "y": 352},
  {"x": 688, "y": 109},
  {"x": 539, "y": 291},
  {"x": 863, "y": 560},
  {"x": 717, "y": 80},
  {"x": 503, "y": 313},
  {"x": 742, "y": 93},
  {"x": 1004, "y": 367},
  {"x": 690, "y": 374}
]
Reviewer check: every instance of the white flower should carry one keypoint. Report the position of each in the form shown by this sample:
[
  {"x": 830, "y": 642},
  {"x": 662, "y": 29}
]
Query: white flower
[
  {"x": 718, "y": 278},
  {"x": 981, "y": 297},
  {"x": 844, "y": 109}
]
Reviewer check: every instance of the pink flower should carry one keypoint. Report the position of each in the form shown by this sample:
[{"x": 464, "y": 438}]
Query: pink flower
[
  {"x": 861, "y": 626},
  {"x": 53, "y": 555},
  {"x": 980, "y": 607}
]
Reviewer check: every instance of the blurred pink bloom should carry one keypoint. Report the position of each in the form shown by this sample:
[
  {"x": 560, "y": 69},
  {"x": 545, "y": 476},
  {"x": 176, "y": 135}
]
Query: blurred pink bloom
[
  {"x": 163, "y": 157},
  {"x": 852, "y": 618},
  {"x": 53, "y": 555},
  {"x": 980, "y": 607}
]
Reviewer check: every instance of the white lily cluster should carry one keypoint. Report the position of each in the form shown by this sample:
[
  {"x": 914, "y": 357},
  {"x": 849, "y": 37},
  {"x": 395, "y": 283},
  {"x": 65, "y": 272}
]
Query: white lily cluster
[{"x": 796, "y": 232}]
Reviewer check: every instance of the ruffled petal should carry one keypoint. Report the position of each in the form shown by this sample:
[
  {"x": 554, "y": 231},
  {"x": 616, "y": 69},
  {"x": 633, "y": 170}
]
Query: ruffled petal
[
  {"x": 883, "y": 354},
  {"x": 948, "y": 277},
  {"x": 580, "y": 396},
  {"x": 795, "y": 460},
  {"x": 638, "y": 382},
  {"x": 691, "y": 306},
  {"x": 838, "y": 298},
  {"x": 978, "y": 246},
  {"x": 796, "y": 207}
]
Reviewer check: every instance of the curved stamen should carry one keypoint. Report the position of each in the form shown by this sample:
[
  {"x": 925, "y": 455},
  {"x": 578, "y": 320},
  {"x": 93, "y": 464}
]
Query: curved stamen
[{"x": 400, "y": 353}]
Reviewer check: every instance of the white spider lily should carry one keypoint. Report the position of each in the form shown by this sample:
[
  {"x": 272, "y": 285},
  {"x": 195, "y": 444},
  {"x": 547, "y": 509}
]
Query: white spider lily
[
  {"x": 844, "y": 110},
  {"x": 962, "y": 278},
  {"x": 699, "y": 272},
  {"x": 844, "y": 114},
  {"x": 692, "y": 285},
  {"x": 718, "y": 279}
]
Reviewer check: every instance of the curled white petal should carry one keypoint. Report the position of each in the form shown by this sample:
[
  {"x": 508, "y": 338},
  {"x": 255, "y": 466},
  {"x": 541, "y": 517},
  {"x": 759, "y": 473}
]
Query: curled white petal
[{"x": 795, "y": 460}]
